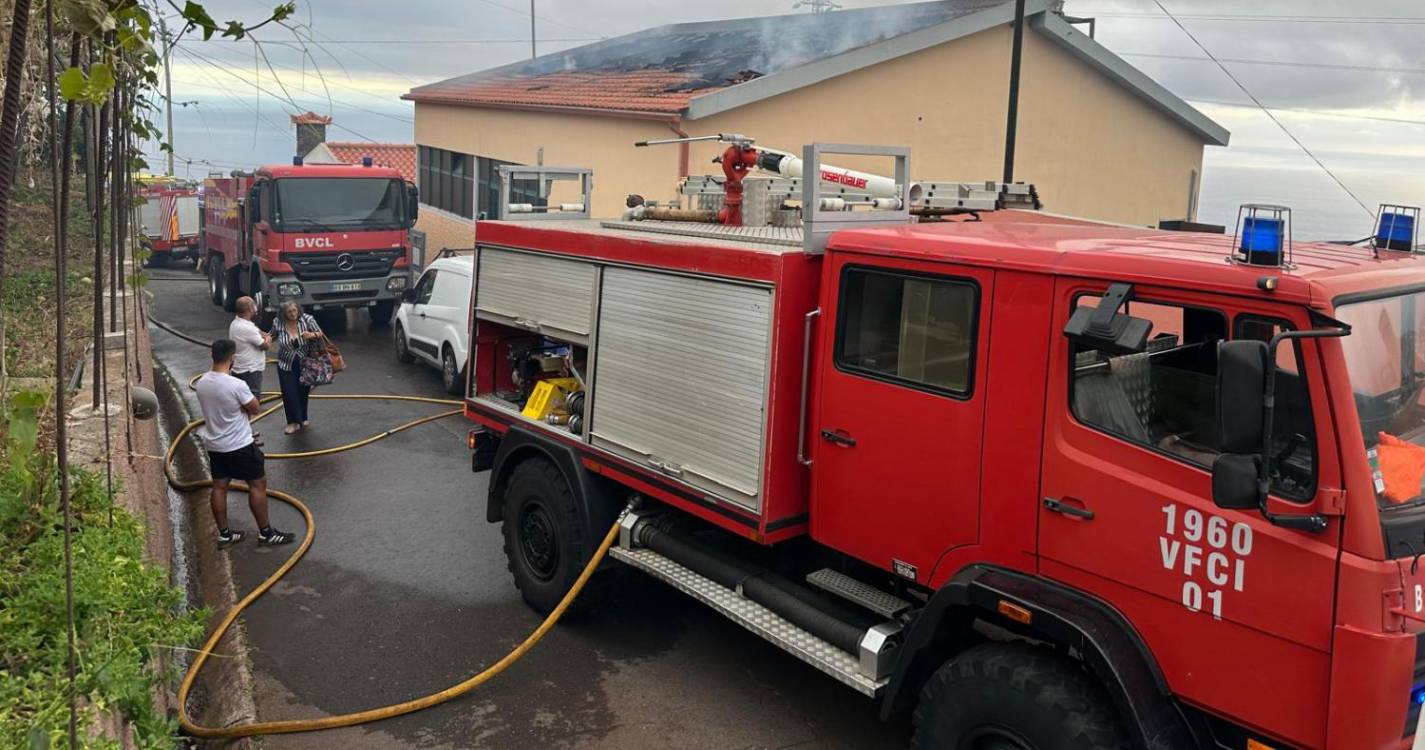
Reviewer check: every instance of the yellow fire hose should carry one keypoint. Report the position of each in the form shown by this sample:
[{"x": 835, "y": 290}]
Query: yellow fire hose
[{"x": 373, "y": 714}]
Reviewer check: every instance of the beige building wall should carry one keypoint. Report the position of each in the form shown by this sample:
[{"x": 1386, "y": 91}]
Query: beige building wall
[
  {"x": 1092, "y": 147},
  {"x": 444, "y": 230},
  {"x": 604, "y": 144}
]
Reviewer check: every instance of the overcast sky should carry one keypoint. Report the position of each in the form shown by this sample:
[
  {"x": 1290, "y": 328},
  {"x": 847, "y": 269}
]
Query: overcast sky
[{"x": 1346, "y": 78}]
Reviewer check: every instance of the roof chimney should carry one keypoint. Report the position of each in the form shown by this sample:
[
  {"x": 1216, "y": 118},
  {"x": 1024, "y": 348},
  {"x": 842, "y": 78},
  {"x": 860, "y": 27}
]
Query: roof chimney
[{"x": 311, "y": 131}]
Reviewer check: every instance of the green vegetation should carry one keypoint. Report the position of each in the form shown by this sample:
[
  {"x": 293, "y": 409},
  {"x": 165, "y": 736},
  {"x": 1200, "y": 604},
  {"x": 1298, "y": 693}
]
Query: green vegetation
[{"x": 128, "y": 619}]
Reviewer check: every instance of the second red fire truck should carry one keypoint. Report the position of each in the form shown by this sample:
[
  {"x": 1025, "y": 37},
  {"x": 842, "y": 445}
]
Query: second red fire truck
[
  {"x": 325, "y": 236},
  {"x": 1042, "y": 483}
]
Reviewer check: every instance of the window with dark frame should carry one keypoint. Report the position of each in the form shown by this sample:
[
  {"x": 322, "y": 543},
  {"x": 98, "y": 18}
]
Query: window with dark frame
[
  {"x": 445, "y": 180},
  {"x": 1293, "y": 428},
  {"x": 1165, "y": 397},
  {"x": 907, "y": 328}
]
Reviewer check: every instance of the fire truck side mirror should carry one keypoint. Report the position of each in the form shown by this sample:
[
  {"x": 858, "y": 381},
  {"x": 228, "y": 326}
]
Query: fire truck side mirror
[
  {"x": 413, "y": 204},
  {"x": 1241, "y": 420},
  {"x": 254, "y": 206},
  {"x": 1241, "y": 395}
]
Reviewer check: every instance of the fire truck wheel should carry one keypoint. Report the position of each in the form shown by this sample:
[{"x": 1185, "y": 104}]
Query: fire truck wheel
[
  {"x": 1012, "y": 696},
  {"x": 403, "y": 347},
  {"x": 381, "y": 312},
  {"x": 542, "y": 534},
  {"x": 215, "y": 280}
]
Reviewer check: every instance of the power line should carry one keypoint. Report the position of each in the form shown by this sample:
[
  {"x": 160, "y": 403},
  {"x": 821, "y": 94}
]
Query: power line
[
  {"x": 291, "y": 102},
  {"x": 287, "y": 98},
  {"x": 1264, "y": 109},
  {"x": 527, "y": 14},
  {"x": 1321, "y": 112},
  {"x": 1247, "y": 18},
  {"x": 1279, "y": 63},
  {"x": 449, "y": 41}
]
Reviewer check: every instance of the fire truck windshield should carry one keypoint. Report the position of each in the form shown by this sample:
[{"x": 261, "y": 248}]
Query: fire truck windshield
[
  {"x": 1385, "y": 356},
  {"x": 331, "y": 203}
]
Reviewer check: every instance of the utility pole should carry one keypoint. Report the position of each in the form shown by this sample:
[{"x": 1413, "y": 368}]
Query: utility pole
[
  {"x": 1012, "y": 117},
  {"x": 532, "y": 53},
  {"x": 168, "y": 87}
]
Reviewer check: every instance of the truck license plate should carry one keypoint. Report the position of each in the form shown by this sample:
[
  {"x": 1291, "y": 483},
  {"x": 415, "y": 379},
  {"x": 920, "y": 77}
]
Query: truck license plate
[{"x": 346, "y": 286}]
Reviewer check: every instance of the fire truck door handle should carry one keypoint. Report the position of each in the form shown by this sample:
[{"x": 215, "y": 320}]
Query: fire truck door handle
[
  {"x": 832, "y": 436},
  {"x": 802, "y": 456},
  {"x": 1073, "y": 511}
]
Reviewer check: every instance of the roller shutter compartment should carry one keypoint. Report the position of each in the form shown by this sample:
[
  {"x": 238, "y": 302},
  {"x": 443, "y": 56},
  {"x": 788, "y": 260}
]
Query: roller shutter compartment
[
  {"x": 681, "y": 378},
  {"x": 554, "y": 296}
]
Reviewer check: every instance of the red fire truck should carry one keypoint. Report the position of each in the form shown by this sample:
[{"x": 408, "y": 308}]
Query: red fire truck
[
  {"x": 325, "y": 236},
  {"x": 167, "y": 219},
  {"x": 1043, "y": 483}
]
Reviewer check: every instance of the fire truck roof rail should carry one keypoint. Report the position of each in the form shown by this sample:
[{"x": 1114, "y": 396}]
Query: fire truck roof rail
[
  {"x": 534, "y": 200},
  {"x": 822, "y": 216}
]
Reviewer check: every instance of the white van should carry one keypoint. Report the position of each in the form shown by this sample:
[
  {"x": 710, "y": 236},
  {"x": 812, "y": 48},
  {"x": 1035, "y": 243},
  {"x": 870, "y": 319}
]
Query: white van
[{"x": 433, "y": 321}]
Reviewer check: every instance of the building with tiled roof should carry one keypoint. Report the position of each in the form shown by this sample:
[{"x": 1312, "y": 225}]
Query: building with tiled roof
[
  {"x": 1098, "y": 137},
  {"x": 398, "y": 156}
]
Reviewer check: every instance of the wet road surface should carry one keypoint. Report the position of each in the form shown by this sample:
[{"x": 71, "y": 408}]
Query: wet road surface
[{"x": 405, "y": 592}]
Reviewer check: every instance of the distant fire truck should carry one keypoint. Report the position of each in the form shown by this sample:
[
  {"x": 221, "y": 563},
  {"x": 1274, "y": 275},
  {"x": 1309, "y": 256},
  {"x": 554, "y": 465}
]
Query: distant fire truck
[
  {"x": 167, "y": 217},
  {"x": 324, "y": 236},
  {"x": 1048, "y": 483}
]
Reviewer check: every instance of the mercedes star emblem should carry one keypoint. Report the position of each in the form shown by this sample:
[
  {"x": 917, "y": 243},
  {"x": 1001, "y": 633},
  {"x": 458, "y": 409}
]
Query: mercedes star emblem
[{"x": 345, "y": 262}]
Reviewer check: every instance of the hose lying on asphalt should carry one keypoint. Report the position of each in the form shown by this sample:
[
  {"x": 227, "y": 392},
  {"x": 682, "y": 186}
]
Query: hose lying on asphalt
[{"x": 369, "y": 715}]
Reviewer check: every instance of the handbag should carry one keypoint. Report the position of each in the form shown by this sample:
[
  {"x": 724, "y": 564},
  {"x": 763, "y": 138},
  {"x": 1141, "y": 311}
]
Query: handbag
[
  {"x": 333, "y": 353},
  {"x": 316, "y": 366}
]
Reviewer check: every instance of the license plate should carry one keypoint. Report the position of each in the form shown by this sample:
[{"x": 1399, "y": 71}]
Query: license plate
[{"x": 346, "y": 286}]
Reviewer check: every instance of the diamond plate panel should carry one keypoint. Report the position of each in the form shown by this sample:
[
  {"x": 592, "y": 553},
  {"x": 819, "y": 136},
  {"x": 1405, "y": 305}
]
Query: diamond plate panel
[
  {"x": 756, "y": 618},
  {"x": 788, "y": 236},
  {"x": 870, "y": 597}
]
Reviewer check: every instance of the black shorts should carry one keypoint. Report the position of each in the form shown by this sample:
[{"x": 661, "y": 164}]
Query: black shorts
[{"x": 245, "y": 463}]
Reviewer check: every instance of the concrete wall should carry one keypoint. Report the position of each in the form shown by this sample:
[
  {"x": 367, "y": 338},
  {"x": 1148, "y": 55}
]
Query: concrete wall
[{"x": 1093, "y": 148}]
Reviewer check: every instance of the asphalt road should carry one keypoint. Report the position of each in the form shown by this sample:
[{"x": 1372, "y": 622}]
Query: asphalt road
[{"x": 405, "y": 592}]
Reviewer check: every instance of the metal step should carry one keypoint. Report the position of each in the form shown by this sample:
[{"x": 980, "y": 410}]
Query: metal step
[
  {"x": 886, "y": 605},
  {"x": 845, "y": 667}
]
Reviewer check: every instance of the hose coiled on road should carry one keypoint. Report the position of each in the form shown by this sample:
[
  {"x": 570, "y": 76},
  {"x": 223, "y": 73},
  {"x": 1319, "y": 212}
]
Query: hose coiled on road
[{"x": 360, "y": 717}]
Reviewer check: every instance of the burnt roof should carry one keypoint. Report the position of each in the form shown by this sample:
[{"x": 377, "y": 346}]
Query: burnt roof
[{"x": 660, "y": 69}]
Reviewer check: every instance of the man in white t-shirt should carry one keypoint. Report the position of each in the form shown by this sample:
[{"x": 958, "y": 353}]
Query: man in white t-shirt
[
  {"x": 227, "y": 405},
  {"x": 251, "y": 343}
]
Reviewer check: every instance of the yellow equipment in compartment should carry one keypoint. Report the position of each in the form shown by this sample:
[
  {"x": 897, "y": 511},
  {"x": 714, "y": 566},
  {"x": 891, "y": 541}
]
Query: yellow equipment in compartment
[{"x": 548, "y": 396}]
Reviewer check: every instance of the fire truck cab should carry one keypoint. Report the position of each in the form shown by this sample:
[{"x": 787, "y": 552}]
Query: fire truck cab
[
  {"x": 323, "y": 236},
  {"x": 1046, "y": 483}
]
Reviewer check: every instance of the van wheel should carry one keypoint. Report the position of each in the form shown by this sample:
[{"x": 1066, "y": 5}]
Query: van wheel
[
  {"x": 403, "y": 347},
  {"x": 1012, "y": 696},
  {"x": 544, "y": 541},
  {"x": 451, "y": 376}
]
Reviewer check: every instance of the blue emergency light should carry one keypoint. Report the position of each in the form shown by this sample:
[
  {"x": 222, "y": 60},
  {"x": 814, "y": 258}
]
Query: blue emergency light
[
  {"x": 1261, "y": 240},
  {"x": 366, "y": 161},
  {"x": 1417, "y": 696},
  {"x": 1395, "y": 228}
]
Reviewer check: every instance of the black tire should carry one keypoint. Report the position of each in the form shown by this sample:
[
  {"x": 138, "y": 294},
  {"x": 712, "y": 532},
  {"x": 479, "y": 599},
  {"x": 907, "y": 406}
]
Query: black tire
[
  {"x": 1018, "y": 697},
  {"x": 215, "y": 279},
  {"x": 263, "y": 318},
  {"x": 382, "y": 311},
  {"x": 544, "y": 540},
  {"x": 231, "y": 292},
  {"x": 403, "y": 347},
  {"x": 451, "y": 377}
]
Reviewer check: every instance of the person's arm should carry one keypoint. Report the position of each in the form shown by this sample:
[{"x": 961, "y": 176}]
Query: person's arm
[
  {"x": 253, "y": 406},
  {"x": 313, "y": 331},
  {"x": 249, "y": 334}
]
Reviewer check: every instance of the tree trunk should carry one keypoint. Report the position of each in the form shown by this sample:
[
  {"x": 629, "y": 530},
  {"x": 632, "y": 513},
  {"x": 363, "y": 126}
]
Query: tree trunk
[
  {"x": 9, "y": 116},
  {"x": 99, "y": 137}
]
